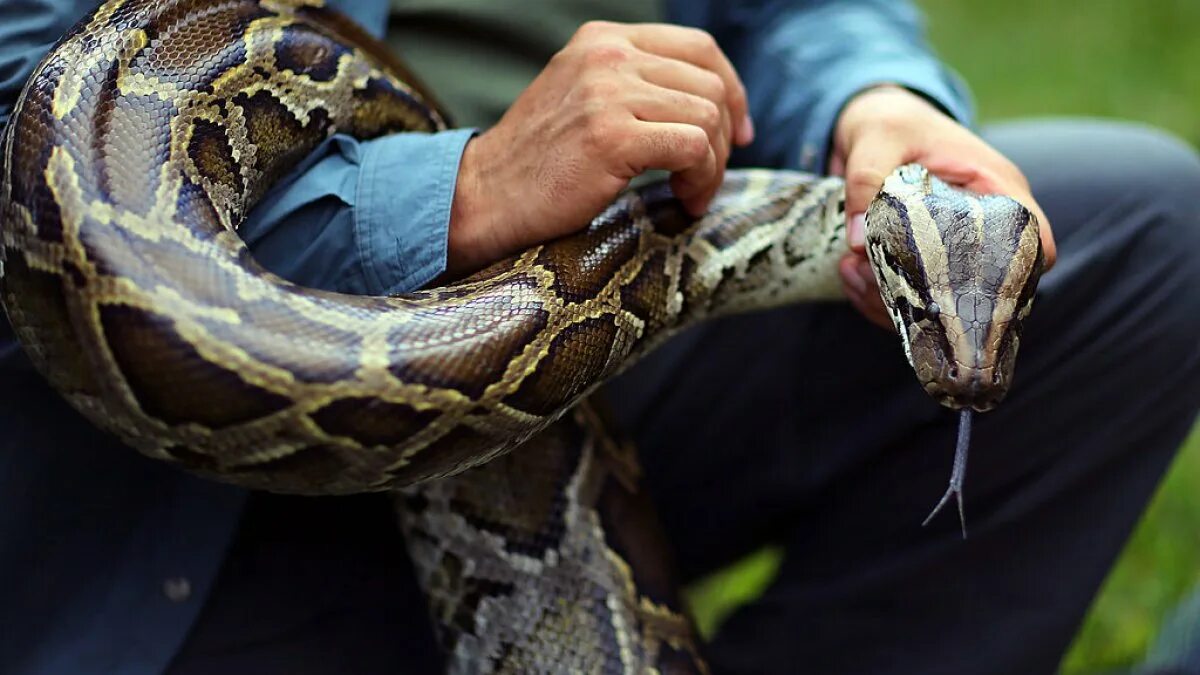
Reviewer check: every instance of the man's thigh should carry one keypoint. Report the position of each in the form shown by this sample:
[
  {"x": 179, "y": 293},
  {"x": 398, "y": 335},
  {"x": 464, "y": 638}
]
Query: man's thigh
[{"x": 806, "y": 426}]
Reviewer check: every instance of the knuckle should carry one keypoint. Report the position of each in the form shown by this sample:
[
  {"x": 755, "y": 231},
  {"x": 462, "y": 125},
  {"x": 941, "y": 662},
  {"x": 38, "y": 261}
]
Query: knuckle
[
  {"x": 722, "y": 156},
  {"x": 882, "y": 120},
  {"x": 600, "y": 134},
  {"x": 564, "y": 58},
  {"x": 591, "y": 29},
  {"x": 606, "y": 54},
  {"x": 693, "y": 145},
  {"x": 568, "y": 52},
  {"x": 893, "y": 122},
  {"x": 715, "y": 87},
  {"x": 701, "y": 39},
  {"x": 708, "y": 114},
  {"x": 864, "y": 180}
]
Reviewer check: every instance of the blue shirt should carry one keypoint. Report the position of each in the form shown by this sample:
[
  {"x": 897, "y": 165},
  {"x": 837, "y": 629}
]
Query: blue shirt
[{"x": 105, "y": 556}]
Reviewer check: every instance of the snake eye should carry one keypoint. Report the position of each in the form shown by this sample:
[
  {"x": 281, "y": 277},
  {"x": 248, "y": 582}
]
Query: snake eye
[{"x": 933, "y": 311}]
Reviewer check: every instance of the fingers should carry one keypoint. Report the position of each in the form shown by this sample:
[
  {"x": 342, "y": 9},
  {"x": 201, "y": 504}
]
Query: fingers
[
  {"x": 1049, "y": 247},
  {"x": 967, "y": 162},
  {"x": 684, "y": 76},
  {"x": 699, "y": 48},
  {"x": 866, "y": 167},
  {"x": 1014, "y": 184},
  {"x": 660, "y": 75},
  {"x": 694, "y": 185},
  {"x": 1019, "y": 190},
  {"x": 862, "y": 291},
  {"x": 683, "y": 149},
  {"x": 615, "y": 101},
  {"x": 680, "y": 76},
  {"x": 673, "y": 146},
  {"x": 657, "y": 104},
  {"x": 885, "y": 127}
]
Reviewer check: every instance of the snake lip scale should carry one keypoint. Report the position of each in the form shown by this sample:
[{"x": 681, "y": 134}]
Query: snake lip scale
[{"x": 152, "y": 128}]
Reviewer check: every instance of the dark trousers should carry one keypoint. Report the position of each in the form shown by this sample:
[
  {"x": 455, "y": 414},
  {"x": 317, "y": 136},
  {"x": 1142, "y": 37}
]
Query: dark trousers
[{"x": 805, "y": 427}]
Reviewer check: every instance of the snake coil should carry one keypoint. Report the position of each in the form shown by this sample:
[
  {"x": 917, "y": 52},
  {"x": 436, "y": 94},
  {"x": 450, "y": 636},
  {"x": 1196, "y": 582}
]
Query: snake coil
[{"x": 152, "y": 128}]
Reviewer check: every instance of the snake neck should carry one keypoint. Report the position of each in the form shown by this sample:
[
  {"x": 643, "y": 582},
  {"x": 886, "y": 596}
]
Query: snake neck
[{"x": 771, "y": 238}]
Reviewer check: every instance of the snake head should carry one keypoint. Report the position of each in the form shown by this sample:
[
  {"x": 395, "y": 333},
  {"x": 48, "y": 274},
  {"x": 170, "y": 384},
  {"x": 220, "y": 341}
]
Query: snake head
[{"x": 957, "y": 271}]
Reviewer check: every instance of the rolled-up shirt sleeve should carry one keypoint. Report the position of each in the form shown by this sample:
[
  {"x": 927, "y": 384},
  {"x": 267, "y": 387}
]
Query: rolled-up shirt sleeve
[
  {"x": 365, "y": 217},
  {"x": 802, "y": 61}
]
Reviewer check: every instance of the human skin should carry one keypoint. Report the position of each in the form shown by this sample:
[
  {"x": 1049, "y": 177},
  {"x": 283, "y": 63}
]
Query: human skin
[
  {"x": 622, "y": 99},
  {"x": 886, "y": 126},
  {"x": 616, "y": 101}
]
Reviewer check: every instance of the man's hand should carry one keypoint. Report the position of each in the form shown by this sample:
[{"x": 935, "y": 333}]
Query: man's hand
[
  {"x": 617, "y": 101},
  {"x": 885, "y": 127}
]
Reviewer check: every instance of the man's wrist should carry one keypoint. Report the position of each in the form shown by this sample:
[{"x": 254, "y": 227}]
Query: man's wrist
[{"x": 471, "y": 243}]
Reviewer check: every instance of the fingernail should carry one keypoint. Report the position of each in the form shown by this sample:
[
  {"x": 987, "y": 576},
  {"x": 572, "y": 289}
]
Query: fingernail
[
  {"x": 746, "y": 130},
  {"x": 856, "y": 230}
]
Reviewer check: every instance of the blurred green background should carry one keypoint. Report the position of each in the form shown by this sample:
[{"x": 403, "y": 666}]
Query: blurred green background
[{"x": 1108, "y": 58}]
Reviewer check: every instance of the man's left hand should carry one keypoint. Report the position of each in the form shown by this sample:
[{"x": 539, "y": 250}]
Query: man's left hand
[{"x": 887, "y": 126}]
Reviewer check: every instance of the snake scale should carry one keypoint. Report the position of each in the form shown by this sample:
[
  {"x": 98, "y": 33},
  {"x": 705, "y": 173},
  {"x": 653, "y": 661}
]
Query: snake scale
[{"x": 146, "y": 135}]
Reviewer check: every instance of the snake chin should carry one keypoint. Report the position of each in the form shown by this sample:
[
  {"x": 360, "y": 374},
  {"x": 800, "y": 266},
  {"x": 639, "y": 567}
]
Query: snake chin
[
  {"x": 967, "y": 391},
  {"x": 979, "y": 384}
]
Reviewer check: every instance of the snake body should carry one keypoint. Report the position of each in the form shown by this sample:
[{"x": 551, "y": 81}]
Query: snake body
[{"x": 152, "y": 128}]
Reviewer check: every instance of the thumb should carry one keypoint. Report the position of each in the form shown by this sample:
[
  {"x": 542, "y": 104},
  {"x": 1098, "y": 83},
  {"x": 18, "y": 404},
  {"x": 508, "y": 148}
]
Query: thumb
[{"x": 868, "y": 163}]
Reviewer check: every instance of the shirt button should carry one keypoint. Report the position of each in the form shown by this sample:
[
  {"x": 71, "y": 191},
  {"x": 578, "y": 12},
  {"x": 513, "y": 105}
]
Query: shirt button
[{"x": 177, "y": 589}]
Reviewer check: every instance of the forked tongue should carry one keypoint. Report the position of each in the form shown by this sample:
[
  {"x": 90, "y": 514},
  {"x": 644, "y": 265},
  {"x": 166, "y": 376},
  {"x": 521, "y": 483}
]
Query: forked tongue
[{"x": 958, "y": 473}]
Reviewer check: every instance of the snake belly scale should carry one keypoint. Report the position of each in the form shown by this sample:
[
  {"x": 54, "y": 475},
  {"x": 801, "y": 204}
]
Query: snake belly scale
[{"x": 152, "y": 128}]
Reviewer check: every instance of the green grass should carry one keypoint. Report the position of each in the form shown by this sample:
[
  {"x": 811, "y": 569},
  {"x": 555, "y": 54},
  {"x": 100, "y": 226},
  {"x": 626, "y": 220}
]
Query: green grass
[
  {"x": 1105, "y": 58},
  {"x": 1159, "y": 565},
  {"x": 1112, "y": 58}
]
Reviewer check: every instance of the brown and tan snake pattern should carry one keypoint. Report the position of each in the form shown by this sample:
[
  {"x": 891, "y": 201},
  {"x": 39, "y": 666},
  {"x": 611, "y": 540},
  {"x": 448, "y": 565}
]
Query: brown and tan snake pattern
[{"x": 151, "y": 129}]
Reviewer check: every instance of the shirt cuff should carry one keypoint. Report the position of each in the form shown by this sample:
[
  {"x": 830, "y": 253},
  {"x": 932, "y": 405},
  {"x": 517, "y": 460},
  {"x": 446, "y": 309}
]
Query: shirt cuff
[
  {"x": 922, "y": 76},
  {"x": 405, "y": 189}
]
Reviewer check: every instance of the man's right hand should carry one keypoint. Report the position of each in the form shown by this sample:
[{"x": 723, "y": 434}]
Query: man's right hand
[{"x": 616, "y": 101}]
